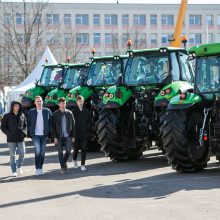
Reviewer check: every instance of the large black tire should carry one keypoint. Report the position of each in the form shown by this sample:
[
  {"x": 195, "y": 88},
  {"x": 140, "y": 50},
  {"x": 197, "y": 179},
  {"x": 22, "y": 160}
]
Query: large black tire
[
  {"x": 159, "y": 138},
  {"x": 114, "y": 143},
  {"x": 181, "y": 141}
]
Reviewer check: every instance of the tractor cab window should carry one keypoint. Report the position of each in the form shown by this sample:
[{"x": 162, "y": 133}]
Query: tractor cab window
[
  {"x": 208, "y": 79},
  {"x": 51, "y": 76},
  {"x": 74, "y": 77},
  {"x": 104, "y": 72},
  {"x": 147, "y": 69},
  {"x": 187, "y": 72}
]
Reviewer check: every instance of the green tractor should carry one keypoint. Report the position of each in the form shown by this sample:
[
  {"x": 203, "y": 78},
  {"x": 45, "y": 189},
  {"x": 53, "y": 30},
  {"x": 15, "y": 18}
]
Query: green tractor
[
  {"x": 191, "y": 131},
  {"x": 73, "y": 76},
  {"x": 50, "y": 78},
  {"x": 103, "y": 73},
  {"x": 132, "y": 111}
]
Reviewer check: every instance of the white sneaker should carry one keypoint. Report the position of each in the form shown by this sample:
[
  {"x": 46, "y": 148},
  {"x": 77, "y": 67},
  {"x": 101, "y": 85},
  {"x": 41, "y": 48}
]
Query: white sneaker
[
  {"x": 14, "y": 174},
  {"x": 20, "y": 171},
  {"x": 37, "y": 172},
  {"x": 41, "y": 172},
  {"x": 75, "y": 165},
  {"x": 83, "y": 168}
]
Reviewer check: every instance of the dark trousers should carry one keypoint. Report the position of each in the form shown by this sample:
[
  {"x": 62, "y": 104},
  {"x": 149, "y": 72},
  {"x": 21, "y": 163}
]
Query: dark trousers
[
  {"x": 80, "y": 144},
  {"x": 64, "y": 143}
]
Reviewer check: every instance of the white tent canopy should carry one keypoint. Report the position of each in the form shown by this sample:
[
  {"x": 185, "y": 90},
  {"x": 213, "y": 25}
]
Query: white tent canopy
[{"x": 29, "y": 82}]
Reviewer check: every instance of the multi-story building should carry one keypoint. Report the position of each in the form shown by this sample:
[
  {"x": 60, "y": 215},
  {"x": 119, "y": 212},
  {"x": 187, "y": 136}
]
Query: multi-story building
[{"x": 73, "y": 29}]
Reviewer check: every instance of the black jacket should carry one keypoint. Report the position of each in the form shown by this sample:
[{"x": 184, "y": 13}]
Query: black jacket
[
  {"x": 32, "y": 118},
  {"x": 57, "y": 123},
  {"x": 82, "y": 122},
  {"x": 14, "y": 126}
]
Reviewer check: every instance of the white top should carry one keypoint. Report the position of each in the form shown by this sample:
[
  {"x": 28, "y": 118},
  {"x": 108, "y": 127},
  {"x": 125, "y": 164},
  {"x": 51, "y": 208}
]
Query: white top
[{"x": 39, "y": 127}]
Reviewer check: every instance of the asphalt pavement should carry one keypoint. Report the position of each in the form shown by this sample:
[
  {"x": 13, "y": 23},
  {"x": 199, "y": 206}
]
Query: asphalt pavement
[{"x": 143, "y": 189}]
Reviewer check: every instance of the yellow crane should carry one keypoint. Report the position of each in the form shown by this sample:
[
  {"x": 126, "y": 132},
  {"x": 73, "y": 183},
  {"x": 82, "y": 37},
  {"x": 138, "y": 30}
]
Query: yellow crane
[{"x": 177, "y": 40}]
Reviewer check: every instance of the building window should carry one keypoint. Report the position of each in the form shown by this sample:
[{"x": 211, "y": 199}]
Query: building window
[
  {"x": 195, "y": 20},
  {"x": 53, "y": 38},
  {"x": 217, "y": 37},
  {"x": 108, "y": 38},
  {"x": 210, "y": 38},
  {"x": 167, "y": 20},
  {"x": 82, "y": 38},
  {"x": 165, "y": 39},
  {"x": 139, "y": 20},
  {"x": 67, "y": 19},
  {"x": 111, "y": 19},
  {"x": 82, "y": 19},
  {"x": 7, "y": 18},
  {"x": 125, "y": 20},
  {"x": 218, "y": 20},
  {"x": 52, "y": 19},
  {"x": 97, "y": 38},
  {"x": 19, "y": 18},
  {"x": 153, "y": 19},
  {"x": 124, "y": 38},
  {"x": 139, "y": 39},
  {"x": 209, "y": 19},
  {"x": 37, "y": 19},
  {"x": 67, "y": 38},
  {"x": 153, "y": 38},
  {"x": 96, "y": 19},
  {"x": 195, "y": 39}
]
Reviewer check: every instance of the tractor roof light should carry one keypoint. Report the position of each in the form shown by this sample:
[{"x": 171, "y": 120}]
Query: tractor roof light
[
  {"x": 184, "y": 39},
  {"x": 93, "y": 52},
  {"x": 116, "y": 57},
  {"x": 68, "y": 59},
  {"x": 163, "y": 50}
]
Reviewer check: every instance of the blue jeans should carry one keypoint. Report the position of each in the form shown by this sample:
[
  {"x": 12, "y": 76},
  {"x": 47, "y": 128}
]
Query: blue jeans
[
  {"x": 40, "y": 146},
  {"x": 13, "y": 148},
  {"x": 64, "y": 143}
]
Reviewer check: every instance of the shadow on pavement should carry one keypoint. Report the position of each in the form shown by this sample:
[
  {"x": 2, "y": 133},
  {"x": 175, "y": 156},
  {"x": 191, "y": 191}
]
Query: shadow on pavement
[{"x": 155, "y": 187}]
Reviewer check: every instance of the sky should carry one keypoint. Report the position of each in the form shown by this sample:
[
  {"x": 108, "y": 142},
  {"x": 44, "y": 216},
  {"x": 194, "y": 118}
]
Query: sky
[{"x": 139, "y": 1}]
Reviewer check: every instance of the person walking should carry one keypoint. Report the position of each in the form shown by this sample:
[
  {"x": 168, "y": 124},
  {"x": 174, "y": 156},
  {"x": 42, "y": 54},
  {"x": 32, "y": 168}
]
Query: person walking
[
  {"x": 63, "y": 127},
  {"x": 82, "y": 125},
  {"x": 14, "y": 125},
  {"x": 39, "y": 128}
]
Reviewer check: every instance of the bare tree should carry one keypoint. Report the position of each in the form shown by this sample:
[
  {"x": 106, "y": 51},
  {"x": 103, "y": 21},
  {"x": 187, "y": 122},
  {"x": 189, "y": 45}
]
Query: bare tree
[
  {"x": 23, "y": 29},
  {"x": 69, "y": 45}
]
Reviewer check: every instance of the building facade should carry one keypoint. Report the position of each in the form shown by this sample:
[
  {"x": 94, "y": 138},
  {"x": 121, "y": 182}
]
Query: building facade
[{"x": 73, "y": 29}]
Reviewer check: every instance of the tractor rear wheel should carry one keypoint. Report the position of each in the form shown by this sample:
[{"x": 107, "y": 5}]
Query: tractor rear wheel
[
  {"x": 181, "y": 141},
  {"x": 116, "y": 137}
]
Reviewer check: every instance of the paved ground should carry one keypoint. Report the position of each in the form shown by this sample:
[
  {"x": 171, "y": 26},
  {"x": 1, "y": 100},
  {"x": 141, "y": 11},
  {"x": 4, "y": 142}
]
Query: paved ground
[{"x": 146, "y": 189}]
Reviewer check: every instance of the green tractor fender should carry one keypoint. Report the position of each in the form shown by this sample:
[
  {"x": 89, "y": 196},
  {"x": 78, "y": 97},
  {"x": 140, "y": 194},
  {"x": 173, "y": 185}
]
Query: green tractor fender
[
  {"x": 171, "y": 90},
  {"x": 115, "y": 97},
  {"x": 184, "y": 101},
  {"x": 84, "y": 91},
  {"x": 53, "y": 96},
  {"x": 28, "y": 98}
]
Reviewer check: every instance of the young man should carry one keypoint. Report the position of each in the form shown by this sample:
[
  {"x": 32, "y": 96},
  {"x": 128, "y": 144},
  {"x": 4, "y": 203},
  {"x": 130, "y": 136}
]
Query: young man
[
  {"x": 14, "y": 126},
  {"x": 82, "y": 125},
  {"x": 63, "y": 132},
  {"x": 39, "y": 128}
]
